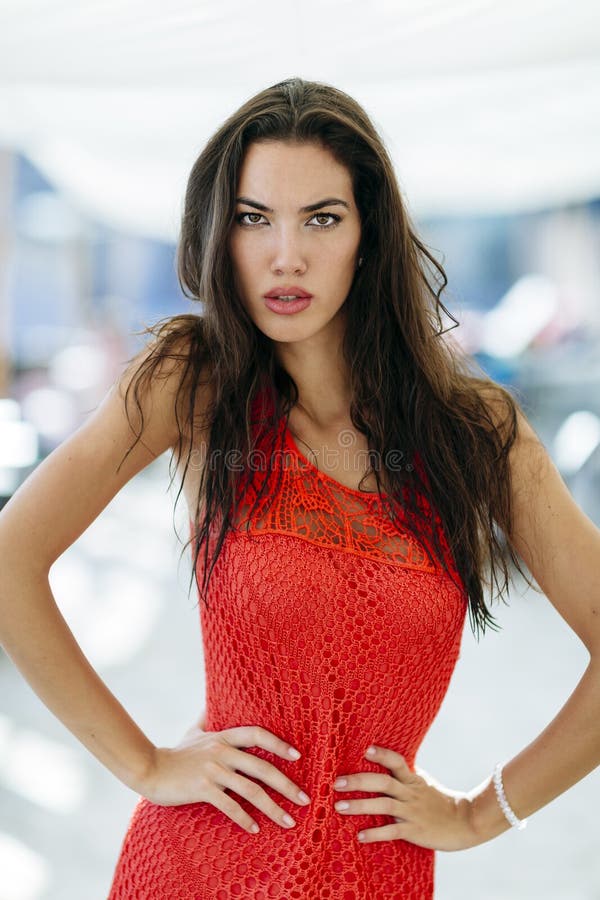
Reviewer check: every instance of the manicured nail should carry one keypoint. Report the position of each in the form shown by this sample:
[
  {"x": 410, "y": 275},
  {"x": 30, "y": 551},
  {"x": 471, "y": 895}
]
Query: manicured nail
[
  {"x": 370, "y": 751},
  {"x": 302, "y": 796},
  {"x": 295, "y": 754},
  {"x": 288, "y": 819},
  {"x": 340, "y": 782}
]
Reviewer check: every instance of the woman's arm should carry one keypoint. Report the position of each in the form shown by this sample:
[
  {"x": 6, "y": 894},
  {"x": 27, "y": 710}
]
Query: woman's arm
[
  {"x": 49, "y": 511},
  {"x": 561, "y": 547}
]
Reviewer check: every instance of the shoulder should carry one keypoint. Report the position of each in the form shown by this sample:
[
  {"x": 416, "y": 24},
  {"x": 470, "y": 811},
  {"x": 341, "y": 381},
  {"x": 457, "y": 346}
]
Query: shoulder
[
  {"x": 557, "y": 541},
  {"x": 118, "y": 439},
  {"x": 530, "y": 469},
  {"x": 159, "y": 382},
  {"x": 526, "y": 451}
]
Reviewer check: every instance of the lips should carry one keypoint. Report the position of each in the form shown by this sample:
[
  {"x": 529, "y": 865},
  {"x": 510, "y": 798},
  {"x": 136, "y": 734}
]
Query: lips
[{"x": 288, "y": 291}]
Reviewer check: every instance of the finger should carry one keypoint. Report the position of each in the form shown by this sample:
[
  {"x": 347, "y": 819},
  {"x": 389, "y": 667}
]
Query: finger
[
  {"x": 231, "y": 809},
  {"x": 373, "y": 806},
  {"x": 378, "y": 782},
  {"x": 257, "y": 736},
  {"x": 266, "y": 772},
  {"x": 256, "y": 795},
  {"x": 392, "y": 760},
  {"x": 397, "y": 831}
]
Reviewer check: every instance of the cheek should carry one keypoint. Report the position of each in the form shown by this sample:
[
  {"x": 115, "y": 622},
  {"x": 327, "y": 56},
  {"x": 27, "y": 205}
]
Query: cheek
[
  {"x": 341, "y": 265},
  {"x": 247, "y": 257},
  {"x": 240, "y": 260},
  {"x": 344, "y": 251}
]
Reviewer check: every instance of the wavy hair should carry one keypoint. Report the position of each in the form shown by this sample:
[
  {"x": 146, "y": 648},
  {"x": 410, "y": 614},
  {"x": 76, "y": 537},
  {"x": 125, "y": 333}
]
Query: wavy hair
[{"x": 412, "y": 386}]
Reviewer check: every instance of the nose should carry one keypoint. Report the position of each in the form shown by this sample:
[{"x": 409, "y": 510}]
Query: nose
[{"x": 288, "y": 255}]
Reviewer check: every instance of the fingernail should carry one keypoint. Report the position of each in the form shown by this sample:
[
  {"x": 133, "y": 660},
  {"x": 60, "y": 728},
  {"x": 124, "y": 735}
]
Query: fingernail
[
  {"x": 340, "y": 782},
  {"x": 288, "y": 819},
  {"x": 303, "y": 797},
  {"x": 370, "y": 751},
  {"x": 295, "y": 754}
]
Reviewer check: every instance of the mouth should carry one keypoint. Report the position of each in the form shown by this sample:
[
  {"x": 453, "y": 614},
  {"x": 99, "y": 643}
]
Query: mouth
[
  {"x": 288, "y": 293},
  {"x": 286, "y": 298},
  {"x": 287, "y": 305}
]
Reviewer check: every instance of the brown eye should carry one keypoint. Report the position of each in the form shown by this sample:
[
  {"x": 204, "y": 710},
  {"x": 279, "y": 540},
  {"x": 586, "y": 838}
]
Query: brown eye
[
  {"x": 242, "y": 215},
  {"x": 249, "y": 224},
  {"x": 336, "y": 219}
]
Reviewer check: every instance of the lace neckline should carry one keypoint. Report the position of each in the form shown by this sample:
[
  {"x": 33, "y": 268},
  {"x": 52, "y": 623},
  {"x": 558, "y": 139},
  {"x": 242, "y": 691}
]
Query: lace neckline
[{"x": 291, "y": 444}]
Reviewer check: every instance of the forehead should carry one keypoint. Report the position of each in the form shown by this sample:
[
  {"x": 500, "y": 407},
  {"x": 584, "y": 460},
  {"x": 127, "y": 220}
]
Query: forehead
[{"x": 297, "y": 169}]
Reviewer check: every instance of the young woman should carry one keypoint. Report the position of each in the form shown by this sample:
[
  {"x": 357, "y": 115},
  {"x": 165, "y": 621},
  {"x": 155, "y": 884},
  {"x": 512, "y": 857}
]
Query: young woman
[{"x": 353, "y": 485}]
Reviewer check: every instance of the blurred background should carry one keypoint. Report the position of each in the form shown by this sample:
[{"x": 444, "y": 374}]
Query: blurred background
[{"x": 490, "y": 113}]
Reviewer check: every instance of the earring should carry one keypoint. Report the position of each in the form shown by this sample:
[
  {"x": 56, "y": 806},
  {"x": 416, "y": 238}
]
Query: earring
[{"x": 360, "y": 261}]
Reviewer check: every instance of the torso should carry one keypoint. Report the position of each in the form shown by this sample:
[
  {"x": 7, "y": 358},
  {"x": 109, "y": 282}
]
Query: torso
[
  {"x": 340, "y": 452},
  {"x": 329, "y": 626}
]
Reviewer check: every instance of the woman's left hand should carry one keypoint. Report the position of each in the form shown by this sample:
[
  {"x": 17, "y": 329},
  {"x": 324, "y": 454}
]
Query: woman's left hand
[{"x": 425, "y": 813}]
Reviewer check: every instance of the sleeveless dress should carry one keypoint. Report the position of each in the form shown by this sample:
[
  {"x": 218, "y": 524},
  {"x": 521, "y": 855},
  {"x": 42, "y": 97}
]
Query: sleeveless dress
[{"x": 329, "y": 626}]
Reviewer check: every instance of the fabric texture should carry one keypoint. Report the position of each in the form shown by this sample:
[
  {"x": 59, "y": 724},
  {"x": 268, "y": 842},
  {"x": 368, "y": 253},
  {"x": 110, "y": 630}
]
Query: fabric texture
[{"x": 329, "y": 626}]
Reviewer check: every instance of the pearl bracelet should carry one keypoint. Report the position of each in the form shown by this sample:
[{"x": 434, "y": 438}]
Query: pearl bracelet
[{"x": 517, "y": 823}]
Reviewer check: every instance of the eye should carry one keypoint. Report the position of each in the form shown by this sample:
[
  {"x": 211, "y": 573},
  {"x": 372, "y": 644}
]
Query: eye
[
  {"x": 335, "y": 218},
  {"x": 241, "y": 216}
]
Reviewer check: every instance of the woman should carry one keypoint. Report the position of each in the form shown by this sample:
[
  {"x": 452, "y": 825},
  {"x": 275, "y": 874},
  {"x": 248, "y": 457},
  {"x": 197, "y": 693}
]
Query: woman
[{"x": 352, "y": 487}]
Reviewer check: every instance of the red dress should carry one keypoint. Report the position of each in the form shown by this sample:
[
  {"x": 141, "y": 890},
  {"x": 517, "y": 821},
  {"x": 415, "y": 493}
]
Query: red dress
[{"x": 329, "y": 626}]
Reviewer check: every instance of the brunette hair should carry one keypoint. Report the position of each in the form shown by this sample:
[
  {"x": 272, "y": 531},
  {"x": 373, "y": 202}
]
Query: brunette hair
[{"x": 412, "y": 386}]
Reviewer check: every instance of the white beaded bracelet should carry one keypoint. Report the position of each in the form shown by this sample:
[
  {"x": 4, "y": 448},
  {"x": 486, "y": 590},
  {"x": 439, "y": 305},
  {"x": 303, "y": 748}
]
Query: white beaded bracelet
[{"x": 504, "y": 805}]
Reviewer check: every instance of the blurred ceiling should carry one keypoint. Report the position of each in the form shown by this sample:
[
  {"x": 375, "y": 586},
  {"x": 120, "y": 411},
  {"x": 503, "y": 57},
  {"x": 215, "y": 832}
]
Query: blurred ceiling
[{"x": 485, "y": 107}]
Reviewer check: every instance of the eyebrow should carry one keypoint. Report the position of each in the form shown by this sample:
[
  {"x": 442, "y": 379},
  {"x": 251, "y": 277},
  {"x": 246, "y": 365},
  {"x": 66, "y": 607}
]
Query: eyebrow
[{"x": 329, "y": 201}]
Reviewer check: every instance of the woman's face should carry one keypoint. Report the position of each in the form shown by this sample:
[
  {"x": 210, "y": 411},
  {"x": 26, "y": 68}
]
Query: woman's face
[{"x": 284, "y": 245}]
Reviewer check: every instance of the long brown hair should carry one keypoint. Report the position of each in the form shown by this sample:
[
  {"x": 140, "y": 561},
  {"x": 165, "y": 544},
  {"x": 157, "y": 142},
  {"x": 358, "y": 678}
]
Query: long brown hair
[{"x": 412, "y": 386}]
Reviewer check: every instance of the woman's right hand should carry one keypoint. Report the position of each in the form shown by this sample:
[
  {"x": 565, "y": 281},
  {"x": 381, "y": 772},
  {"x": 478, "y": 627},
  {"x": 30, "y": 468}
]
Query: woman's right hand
[{"x": 204, "y": 764}]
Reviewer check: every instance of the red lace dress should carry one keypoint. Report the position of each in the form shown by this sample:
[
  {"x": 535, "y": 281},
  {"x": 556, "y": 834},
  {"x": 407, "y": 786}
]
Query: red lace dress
[{"x": 329, "y": 626}]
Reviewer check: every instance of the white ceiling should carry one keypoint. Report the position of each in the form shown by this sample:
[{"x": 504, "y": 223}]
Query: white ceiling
[{"x": 485, "y": 106}]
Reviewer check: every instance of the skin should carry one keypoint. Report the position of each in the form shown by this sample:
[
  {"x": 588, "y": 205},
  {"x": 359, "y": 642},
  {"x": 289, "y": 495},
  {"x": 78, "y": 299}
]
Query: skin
[
  {"x": 285, "y": 246},
  {"x": 551, "y": 534},
  {"x": 557, "y": 541},
  {"x": 289, "y": 247}
]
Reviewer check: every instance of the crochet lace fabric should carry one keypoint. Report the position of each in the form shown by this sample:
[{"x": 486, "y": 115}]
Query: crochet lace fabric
[{"x": 329, "y": 626}]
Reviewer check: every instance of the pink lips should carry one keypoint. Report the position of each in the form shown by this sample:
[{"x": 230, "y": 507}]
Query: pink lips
[
  {"x": 287, "y": 290},
  {"x": 287, "y": 307}
]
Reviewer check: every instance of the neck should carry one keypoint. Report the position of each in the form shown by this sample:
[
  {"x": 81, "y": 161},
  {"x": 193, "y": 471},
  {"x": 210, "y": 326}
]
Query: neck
[{"x": 322, "y": 378}]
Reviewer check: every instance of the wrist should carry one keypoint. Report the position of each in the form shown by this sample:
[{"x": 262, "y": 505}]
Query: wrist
[
  {"x": 141, "y": 778},
  {"x": 486, "y": 819},
  {"x": 465, "y": 828}
]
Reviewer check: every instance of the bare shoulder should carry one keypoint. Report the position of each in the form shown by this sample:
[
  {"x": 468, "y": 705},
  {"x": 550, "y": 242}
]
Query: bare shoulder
[
  {"x": 528, "y": 457},
  {"x": 558, "y": 542},
  {"x": 75, "y": 482},
  {"x": 531, "y": 469},
  {"x": 156, "y": 392}
]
